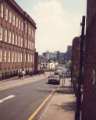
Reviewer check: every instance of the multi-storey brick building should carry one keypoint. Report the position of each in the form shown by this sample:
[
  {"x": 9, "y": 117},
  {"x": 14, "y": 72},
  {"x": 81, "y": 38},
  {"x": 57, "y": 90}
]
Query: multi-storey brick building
[
  {"x": 89, "y": 98},
  {"x": 17, "y": 39}
]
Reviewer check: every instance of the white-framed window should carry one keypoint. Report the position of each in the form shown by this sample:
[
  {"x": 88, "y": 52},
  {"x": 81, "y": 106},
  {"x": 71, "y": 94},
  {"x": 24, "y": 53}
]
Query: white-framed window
[
  {"x": 9, "y": 34},
  {"x": 17, "y": 57},
  {"x": 5, "y": 35},
  {"x": 6, "y": 14},
  {"x": 19, "y": 26},
  {"x": 21, "y": 42},
  {"x": 12, "y": 38},
  {"x": 25, "y": 57},
  {"x": 14, "y": 20},
  {"x": 28, "y": 57},
  {"x": 1, "y": 10},
  {"x": 33, "y": 58},
  {"x": 21, "y": 57},
  {"x": 0, "y": 55},
  {"x": 5, "y": 55},
  {"x": 29, "y": 30},
  {"x": 12, "y": 54},
  {"x": 9, "y": 56},
  {"x": 16, "y": 42},
  {"x": 1, "y": 33},
  {"x": 10, "y": 17},
  {"x": 26, "y": 27},
  {"x": 22, "y": 25},
  {"x": 25, "y": 42}
]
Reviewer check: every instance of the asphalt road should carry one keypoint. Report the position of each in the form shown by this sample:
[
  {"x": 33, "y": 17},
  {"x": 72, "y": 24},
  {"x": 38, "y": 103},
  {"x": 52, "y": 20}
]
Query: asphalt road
[{"x": 20, "y": 102}]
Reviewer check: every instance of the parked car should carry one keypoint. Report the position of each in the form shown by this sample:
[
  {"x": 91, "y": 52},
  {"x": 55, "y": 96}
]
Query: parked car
[{"x": 53, "y": 79}]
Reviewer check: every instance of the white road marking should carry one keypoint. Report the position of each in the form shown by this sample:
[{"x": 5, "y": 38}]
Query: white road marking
[{"x": 7, "y": 98}]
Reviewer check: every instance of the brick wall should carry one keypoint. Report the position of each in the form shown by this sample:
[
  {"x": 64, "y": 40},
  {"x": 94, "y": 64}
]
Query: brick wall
[
  {"x": 17, "y": 38},
  {"x": 89, "y": 99}
]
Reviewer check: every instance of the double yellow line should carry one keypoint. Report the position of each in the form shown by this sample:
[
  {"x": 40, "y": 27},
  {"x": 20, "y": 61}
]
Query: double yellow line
[{"x": 41, "y": 106}]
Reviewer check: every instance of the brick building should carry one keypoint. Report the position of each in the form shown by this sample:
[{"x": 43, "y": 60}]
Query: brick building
[
  {"x": 17, "y": 39},
  {"x": 89, "y": 98},
  {"x": 75, "y": 62}
]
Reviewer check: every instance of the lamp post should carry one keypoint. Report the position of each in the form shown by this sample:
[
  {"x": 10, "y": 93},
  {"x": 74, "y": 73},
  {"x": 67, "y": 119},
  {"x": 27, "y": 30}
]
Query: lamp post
[{"x": 79, "y": 94}]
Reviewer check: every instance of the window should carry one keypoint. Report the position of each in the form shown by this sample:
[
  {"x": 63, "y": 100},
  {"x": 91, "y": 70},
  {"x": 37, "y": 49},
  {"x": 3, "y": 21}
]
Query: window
[
  {"x": 14, "y": 20},
  {"x": 28, "y": 58},
  {"x": 10, "y": 17},
  {"x": 6, "y": 14},
  {"x": 9, "y": 60},
  {"x": 29, "y": 30},
  {"x": 12, "y": 54},
  {"x": 5, "y": 39},
  {"x": 1, "y": 33},
  {"x": 5, "y": 55},
  {"x": 32, "y": 32},
  {"x": 25, "y": 57},
  {"x": 25, "y": 27},
  {"x": 19, "y": 24},
  {"x": 16, "y": 40},
  {"x": 33, "y": 59},
  {"x": 21, "y": 57},
  {"x": 25, "y": 42},
  {"x": 21, "y": 42},
  {"x": 12, "y": 38},
  {"x": 9, "y": 37},
  {"x": 1, "y": 10},
  {"x": 0, "y": 55},
  {"x": 17, "y": 57},
  {"x": 22, "y": 25}
]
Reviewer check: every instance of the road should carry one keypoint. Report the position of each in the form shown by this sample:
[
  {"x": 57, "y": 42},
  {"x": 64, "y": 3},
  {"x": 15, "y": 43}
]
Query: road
[{"x": 20, "y": 102}]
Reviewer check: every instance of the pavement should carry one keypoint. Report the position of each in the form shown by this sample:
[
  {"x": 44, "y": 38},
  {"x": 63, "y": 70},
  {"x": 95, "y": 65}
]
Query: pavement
[
  {"x": 62, "y": 104},
  {"x": 14, "y": 82}
]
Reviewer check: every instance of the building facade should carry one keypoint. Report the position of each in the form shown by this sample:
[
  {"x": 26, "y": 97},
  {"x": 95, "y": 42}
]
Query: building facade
[
  {"x": 75, "y": 62},
  {"x": 17, "y": 39},
  {"x": 89, "y": 95}
]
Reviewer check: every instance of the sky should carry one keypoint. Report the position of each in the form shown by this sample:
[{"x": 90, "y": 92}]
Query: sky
[{"x": 57, "y": 21}]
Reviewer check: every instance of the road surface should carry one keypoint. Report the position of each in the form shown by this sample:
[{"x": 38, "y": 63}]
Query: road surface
[{"x": 20, "y": 102}]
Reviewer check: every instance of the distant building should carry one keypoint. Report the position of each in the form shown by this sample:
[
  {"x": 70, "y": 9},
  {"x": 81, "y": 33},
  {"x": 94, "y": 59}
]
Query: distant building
[
  {"x": 68, "y": 54},
  {"x": 50, "y": 55},
  {"x": 17, "y": 39},
  {"x": 42, "y": 62}
]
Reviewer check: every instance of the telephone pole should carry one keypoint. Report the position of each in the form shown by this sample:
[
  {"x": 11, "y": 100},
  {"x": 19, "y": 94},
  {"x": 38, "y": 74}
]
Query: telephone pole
[{"x": 80, "y": 79}]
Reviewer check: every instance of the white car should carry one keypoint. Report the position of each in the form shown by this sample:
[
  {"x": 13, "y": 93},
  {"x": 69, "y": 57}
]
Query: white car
[{"x": 53, "y": 79}]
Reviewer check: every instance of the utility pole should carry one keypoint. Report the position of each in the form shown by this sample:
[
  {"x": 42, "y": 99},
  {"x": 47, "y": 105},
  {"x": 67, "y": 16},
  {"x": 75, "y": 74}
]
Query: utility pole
[{"x": 79, "y": 94}]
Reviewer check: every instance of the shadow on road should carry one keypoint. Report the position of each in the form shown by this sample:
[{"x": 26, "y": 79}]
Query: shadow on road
[
  {"x": 65, "y": 90},
  {"x": 68, "y": 106}
]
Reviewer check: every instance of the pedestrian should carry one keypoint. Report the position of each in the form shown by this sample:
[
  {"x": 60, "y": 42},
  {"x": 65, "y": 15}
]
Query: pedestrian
[{"x": 23, "y": 73}]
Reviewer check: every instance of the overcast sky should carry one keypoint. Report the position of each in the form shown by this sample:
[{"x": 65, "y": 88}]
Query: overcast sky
[{"x": 58, "y": 21}]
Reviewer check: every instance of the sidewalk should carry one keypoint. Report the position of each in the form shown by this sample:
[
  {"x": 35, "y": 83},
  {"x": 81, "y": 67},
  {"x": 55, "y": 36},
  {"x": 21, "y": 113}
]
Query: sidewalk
[
  {"x": 61, "y": 106},
  {"x": 11, "y": 83}
]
